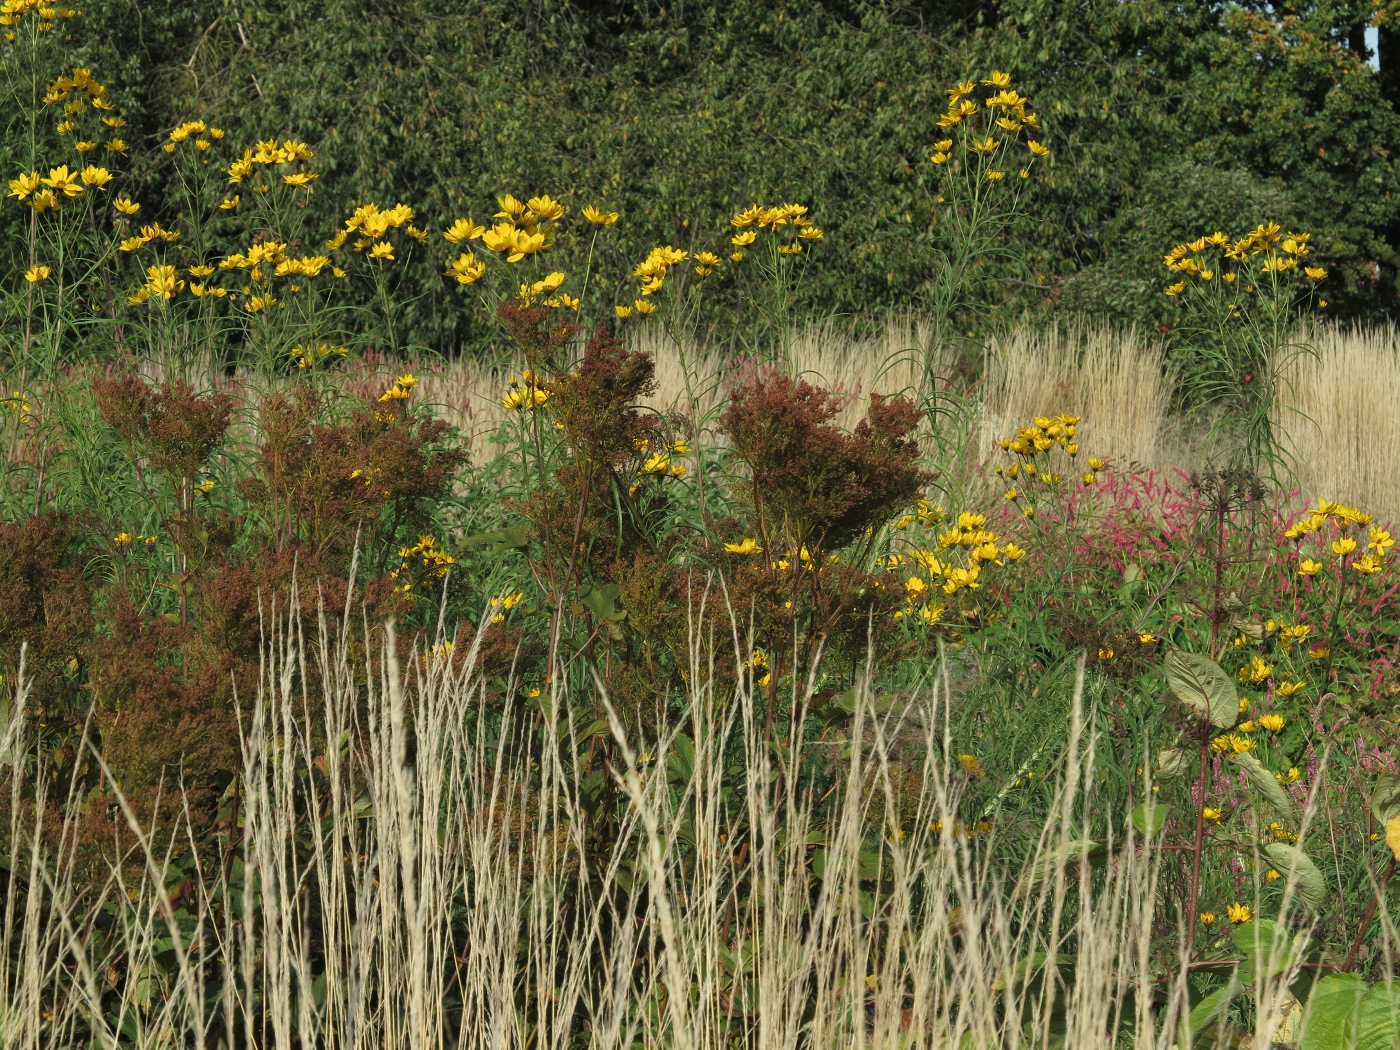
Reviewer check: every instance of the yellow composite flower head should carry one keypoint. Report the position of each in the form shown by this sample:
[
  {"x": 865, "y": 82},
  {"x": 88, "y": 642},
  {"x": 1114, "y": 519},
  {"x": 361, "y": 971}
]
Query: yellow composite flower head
[
  {"x": 546, "y": 208},
  {"x": 525, "y": 393},
  {"x": 748, "y": 217},
  {"x": 25, "y": 185},
  {"x": 998, "y": 79},
  {"x": 162, "y": 283},
  {"x": 463, "y": 230},
  {"x": 1240, "y": 913},
  {"x": 64, "y": 183},
  {"x": 1368, "y": 564},
  {"x": 466, "y": 268},
  {"x": 746, "y": 546},
  {"x": 35, "y": 274},
  {"x": 512, "y": 209},
  {"x": 598, "y": 217},
  {"x": 95, "y": 176}
]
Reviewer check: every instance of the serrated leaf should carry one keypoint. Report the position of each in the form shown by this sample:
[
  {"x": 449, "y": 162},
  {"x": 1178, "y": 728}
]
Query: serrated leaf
[
  {"x": 1330, "y": 1020},
  {"x": 1203, "y": 686},
  {"x": 1172, "y": 763},
  {"x": 1251, "y": 629},
  {"x": 1294, "y": 864},
  {"x": 1378, "y": 1020},
  {"x": 1264, "y": 782},
  {"x": 1265, "y": 950}
]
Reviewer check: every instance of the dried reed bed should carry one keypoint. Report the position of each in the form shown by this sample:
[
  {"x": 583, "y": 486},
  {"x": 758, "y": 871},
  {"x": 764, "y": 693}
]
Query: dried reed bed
[
  {"x": 1337, "y": 411},
  {"x": 1340, "y": 415},
  {"x": 1115, "y": 380},
  {"x": 439, "y": 851}
]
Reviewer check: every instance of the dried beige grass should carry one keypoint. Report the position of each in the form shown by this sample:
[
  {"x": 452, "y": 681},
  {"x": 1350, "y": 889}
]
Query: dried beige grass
[
  {"x": 1113, "y": 379},
  {"x": 1339, "y": 414},
  {"x": 1337, "y": 408}
]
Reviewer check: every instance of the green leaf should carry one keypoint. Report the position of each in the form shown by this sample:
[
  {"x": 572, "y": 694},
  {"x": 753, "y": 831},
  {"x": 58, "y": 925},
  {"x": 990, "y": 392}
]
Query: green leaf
[
  {"x": 1385, "y": 797},
  {"x": 1150, "y": 817},
  {"x": 1209, "y": 1009},
  {"x": 602, "y": 601},
  {"x": 680, "y": 763},
  {"x": 517, "y": 537},
  {"x": 1264, "y": 953},
  {"x": 1172, "y": 763},
  {"x": 1297, "y": 865},
  {"x": 1378, "y": 1020},
  {"x": 1203, "y": 686},
  {"x": 1264, "y": 782},
  {"x": 1333, "y": 1006}
]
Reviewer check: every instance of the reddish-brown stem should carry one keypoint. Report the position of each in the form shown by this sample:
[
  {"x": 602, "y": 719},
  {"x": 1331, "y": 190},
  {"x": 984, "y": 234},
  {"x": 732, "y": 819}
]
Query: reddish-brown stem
[{"x": 1366, "y": 919}]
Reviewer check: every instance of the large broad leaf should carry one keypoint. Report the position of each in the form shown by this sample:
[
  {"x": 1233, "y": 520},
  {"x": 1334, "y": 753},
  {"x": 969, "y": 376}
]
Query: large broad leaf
[
  {"x": 1172, "y": 763},
  {"x": 1297, "y": 865},
  {"x": 1332, "y": 1010},
  {"x": 1267, "y": 950},
  {"x": 1264, "y": 782},
  {"x": 1378, "y": 1020},
  {"x": 1202, "y": 685},
  {"x": 1385, "y": 797},
  {"x": 1209, "y": 1009}
]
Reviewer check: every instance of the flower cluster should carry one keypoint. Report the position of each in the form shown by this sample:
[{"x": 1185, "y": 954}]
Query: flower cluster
[
  {"x": 1215, "y": 255},
  {"x": 660, "y": 463},
  {"x": 263, "y": 263},
  {"x": 989, "y": 131},
  {"x": 251, "y": 168},
  {"x": 315, "y": 356},
  {"x": 161, "y": 285},
  {"x": 928, "y": 514},
  {"x": 525, "y": 393},
  {"x": 12, "y": 13},
  {"x": 197, "y": 132},
  {"x": 396, "y": 398},
  {"x": 962, "y": 552},
  {"x": 124, "y": 539},
  {"x": 525, "y": 227},
  {"x": 1033, "y": 447},
  {"x": 779, "y": 221},
  {"x": 61, "y": 185},
  {"x": 148, "y": 234},
  {"x": 504, "y": 604},
  {"x": 371, "y": 225},
  {"x": 530, "y": 293},
  {"x": 651, "y": 275},
  {"x": 18, "y": 402},
  {"x": 466, "y": 268},
  {"x": 87, "y": 113},
  {"x": 1345, "y": 549},
  {"x": 422, "y": 562}
]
